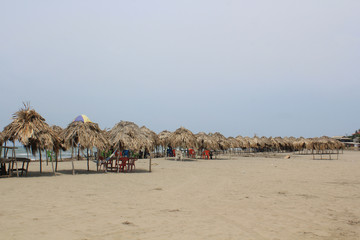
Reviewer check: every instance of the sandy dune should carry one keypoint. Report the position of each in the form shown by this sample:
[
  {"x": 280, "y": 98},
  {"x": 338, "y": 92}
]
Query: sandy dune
[{"x": 241, "y": 198}]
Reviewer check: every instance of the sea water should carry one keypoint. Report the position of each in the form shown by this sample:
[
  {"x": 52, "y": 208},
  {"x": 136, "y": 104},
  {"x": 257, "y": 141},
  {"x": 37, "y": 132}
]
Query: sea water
[{"x": 22, "y": 153}]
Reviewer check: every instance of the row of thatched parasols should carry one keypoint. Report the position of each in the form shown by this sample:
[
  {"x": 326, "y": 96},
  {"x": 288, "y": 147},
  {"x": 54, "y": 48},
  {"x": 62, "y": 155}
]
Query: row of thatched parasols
[{"x": 30, "y": 129}]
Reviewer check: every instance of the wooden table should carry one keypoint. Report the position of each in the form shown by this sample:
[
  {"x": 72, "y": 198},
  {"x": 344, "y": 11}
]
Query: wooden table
[{"x": 11, "y": 166}]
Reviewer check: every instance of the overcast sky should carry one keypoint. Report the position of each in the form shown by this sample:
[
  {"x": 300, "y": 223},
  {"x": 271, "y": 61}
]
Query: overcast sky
[{"x": 271, "y": 68}]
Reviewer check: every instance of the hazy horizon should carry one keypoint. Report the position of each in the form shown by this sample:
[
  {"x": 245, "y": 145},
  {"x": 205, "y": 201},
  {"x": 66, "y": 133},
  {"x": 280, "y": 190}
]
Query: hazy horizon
[{"x": 270, "y": 68}]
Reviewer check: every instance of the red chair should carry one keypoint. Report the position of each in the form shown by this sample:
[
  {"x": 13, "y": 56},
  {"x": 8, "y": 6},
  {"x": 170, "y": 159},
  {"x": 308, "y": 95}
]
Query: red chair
[
  {"x": 131, "y": 164},
  {"x": 192, "y": 153},
  {"x": 122, "y": 164},
  {"x": 118, "y": 154},
  {"x": 205, "y": 154}
]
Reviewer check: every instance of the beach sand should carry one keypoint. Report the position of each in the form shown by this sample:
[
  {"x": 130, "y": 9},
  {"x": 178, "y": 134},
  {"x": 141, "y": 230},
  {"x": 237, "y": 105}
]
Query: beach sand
[{"x": 240, "y": 198}]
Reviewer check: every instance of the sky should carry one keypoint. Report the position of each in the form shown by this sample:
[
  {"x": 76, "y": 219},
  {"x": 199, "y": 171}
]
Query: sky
[{"x": 270, "y": 68}]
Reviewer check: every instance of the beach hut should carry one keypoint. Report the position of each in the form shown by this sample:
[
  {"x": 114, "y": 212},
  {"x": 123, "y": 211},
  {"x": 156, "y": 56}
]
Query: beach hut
[
  {"x": 84, "y": 134},
  {"x": 30, "y": 129}
]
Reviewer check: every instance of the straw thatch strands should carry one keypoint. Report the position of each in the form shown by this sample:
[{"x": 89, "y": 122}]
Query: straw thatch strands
[
  {"x": 183, "y": 138},
  {"x": 128, "y": 136},
  {"x": 164, "y": 138},
  {"x": 233, "y": 142},
  {"x": 221, "y": 141},
  {"x": 152, "y": 136},
  {"x": 30, "y": 129},
  {"x": 2, "y": 138},
  {"x": 205, "y": 142},
  {"x": 243, "y": 142},
  {"x": 84, "y": 135},
  {"x": 58, "y": 130}
]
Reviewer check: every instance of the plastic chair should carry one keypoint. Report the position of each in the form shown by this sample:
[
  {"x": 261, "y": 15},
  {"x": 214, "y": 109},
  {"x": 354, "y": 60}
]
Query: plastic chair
[
  {"x": 122, "y": 164},
  {"x": 192, "y": 153},
  {"x": 131, "y": 164},
  {"x": 206, "y": 154}
]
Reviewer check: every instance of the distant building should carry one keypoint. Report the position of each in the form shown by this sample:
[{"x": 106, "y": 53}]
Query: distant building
[{"x": 343, "y": 139}]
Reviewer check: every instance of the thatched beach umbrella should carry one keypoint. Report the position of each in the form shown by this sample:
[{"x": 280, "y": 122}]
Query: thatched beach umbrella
[
  {"x": 244, "y": 142},
  {"x": 127, "y": 135},
  {"x": 152, "y": 136},
  {"x": 164, "y": 138},
  {"x": 221, "y": 140},
  {"x": 205, "y": 142},
  {"x": 30, "y": 129},
  {"x": 84, "y": 135},
  {"x": 233, "y": 142},
  {"x": 183, "y": 138},
  {"x": 59, "y": 131}
]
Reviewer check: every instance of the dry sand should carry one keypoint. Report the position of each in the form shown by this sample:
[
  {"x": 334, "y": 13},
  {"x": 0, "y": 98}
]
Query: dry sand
[{"x": 242, "y": 198}]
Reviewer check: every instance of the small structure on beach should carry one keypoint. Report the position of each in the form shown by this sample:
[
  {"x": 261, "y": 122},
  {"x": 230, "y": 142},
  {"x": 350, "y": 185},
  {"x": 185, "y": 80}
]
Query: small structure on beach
[
  {"x": 183, "y": 138},
  {"x": 30, "y": 129},
  {"x": 84, "y": 134},
  {"x": 128, "y": 136}
]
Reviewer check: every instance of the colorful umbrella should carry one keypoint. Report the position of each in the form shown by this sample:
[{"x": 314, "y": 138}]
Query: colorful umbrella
[{"x": 82, "y": 118}]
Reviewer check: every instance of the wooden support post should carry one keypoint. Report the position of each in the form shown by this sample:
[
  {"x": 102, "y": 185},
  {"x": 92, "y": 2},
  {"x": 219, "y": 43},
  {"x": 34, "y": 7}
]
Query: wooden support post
[
  {"x": 87, "y": 153},
  {"x": 14, "y": 156},
  {"x": 56, "y": 161},
  {"x": 72, "y": 159},
  {"x": 40, "y": 161},
  {"x": 150, "y": 164},
  {"x": 52, "y": 165},
  {"x": 73, "y": 168}
]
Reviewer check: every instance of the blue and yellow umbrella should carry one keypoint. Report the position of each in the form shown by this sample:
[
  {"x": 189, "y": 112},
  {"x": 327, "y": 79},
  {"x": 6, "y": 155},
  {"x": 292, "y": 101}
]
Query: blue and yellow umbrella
[{"x": 82, "y": 118}]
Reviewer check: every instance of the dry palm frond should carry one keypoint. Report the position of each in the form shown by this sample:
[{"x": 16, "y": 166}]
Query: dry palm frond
[
  {"x": 152, "y": 136},
  {"x": 127, "y": 135},
  {"x": 221, "y": 140},
  {"x": 2, "y": 138},
  {"x": 87, "y": 135},
  {"x": 30, "y": 129},
  {"x": 183, "y": 138},
  {"x": 164, "y": 138},
  {"x": 244, "y": 142},
  {"x": 204, "y": 141},
  {"x": 233, "y": 142}
]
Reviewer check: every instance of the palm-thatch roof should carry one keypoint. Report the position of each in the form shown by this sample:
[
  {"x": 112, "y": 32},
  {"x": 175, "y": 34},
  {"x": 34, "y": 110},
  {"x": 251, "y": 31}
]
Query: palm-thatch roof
[
  {"x": 221, "y": 140},
  {"x": 164, "y": 138},
  {"x": 244, "y": 142},
  {"x": 233, "y": 142},
  {"x": 128, "y": 135},
  {"x": 85, "y": 135},
  {"x": 30, "y": 129},
  {"x": 1, "y": 138},
  {"x": 57, "y": 129},
  {"x": 204, "y": 141},
  {"x": 152, "y": 136},
  {"x": 183, "y": 138}
]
